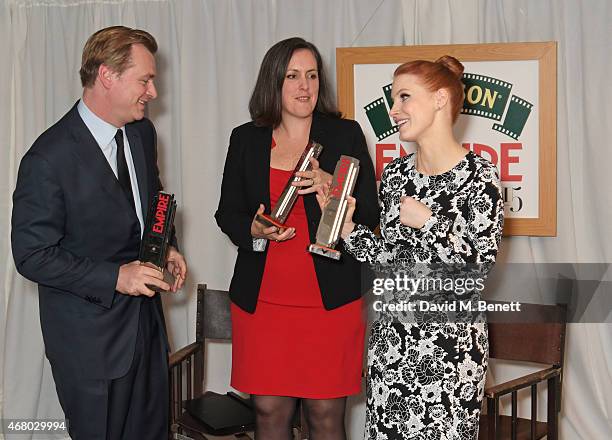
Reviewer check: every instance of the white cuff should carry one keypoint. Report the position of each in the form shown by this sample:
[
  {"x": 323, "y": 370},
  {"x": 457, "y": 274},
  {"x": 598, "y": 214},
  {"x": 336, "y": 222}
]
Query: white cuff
[{"x": 259, "y": 244}]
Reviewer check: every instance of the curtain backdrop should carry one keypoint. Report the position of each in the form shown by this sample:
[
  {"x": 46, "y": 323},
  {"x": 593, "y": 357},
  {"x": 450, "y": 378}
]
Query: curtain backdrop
[{"x": 208, "y": 60}]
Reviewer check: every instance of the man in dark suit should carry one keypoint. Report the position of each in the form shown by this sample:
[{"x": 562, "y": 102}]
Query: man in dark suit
[{"x": 82, "y": 195}]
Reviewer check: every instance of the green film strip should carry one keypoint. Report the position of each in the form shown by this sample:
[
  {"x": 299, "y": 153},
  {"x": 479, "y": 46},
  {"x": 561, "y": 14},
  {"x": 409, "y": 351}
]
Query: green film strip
[
  {"x": 387, "y": 91},
  {"x": 379, "y": 119},
  {"x": 485, "y": 96},
  {"x": 516, "y": 117}
]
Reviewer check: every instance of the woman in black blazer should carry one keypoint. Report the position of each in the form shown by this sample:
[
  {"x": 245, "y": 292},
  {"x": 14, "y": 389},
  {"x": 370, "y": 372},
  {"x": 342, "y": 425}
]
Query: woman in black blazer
[{"x": 297, "y": 317}]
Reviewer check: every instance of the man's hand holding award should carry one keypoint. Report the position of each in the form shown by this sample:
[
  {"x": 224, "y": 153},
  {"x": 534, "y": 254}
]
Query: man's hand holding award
[{"x": 156, "y": 252}]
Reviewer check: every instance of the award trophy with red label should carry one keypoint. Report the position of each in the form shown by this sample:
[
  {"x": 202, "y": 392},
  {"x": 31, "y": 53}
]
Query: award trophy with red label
[
  {"x": 157, "y": 234},
  {"x": 332, "y": 217},
  {"x": 290, "y": 193}
]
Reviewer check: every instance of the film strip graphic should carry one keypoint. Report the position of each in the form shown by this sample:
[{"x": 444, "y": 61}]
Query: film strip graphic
[
  {"x": 387, "y": 92},
  {"x": 516, "y": 117},
  {"x": 378, "y": 115},
  {"x": 485, "y": 96},
  {"x": 488, "y": 97}
]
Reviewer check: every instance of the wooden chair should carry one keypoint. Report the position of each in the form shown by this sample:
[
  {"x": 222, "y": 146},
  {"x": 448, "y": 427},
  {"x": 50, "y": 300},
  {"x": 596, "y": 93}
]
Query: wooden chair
[
  {"x": 539, "y": 337},
  {"x": 218, "y": 414}
]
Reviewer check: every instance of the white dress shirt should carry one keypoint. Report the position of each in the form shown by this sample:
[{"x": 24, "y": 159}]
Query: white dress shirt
[{"x": 104, "y": 134}]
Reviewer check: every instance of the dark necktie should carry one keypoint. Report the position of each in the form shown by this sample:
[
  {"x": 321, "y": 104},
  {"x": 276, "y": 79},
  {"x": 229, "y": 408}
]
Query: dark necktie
[{"x": 123, "y": 174}]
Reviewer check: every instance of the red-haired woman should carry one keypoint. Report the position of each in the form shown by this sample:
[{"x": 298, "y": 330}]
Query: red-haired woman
[{"x": 441, "y": 207}]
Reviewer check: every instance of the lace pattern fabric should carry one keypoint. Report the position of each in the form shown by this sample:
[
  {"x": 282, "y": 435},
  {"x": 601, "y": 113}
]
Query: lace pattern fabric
[{"x": 426, "y": 380}]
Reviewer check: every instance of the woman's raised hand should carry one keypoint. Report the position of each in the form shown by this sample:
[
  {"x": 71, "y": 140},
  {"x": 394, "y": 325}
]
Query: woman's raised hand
[{"x": 313, "y": 179}]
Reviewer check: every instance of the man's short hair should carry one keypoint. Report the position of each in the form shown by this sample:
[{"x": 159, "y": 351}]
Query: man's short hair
[{"x": 112, "y": 46}]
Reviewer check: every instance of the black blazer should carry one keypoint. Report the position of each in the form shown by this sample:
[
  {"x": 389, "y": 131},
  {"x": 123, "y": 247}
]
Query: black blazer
[
  {"x": 246, "y": 184},
  {"x": 72, "y": 228}
]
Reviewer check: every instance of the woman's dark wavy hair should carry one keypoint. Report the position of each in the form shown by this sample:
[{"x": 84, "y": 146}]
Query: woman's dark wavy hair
[{"x": 265, "y": 105}]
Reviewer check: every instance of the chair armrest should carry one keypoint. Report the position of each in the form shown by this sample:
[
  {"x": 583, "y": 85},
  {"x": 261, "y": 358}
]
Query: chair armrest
[
  {"x": 179, "y": 356},
  {"x": 521, "y": 382}
]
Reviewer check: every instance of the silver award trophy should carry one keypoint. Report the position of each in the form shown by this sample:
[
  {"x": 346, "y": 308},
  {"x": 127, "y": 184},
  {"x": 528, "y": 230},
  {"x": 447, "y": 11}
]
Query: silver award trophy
[
  {"x": 332, "y": 217},
  {"x": 157, "y": 234},
  {"x": 289, "y": 196}
]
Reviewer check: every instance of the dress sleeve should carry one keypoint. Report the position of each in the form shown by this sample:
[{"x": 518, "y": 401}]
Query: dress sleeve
[
  {"x": 367, "y": 247},
  {"x": 475, "y": 238}
]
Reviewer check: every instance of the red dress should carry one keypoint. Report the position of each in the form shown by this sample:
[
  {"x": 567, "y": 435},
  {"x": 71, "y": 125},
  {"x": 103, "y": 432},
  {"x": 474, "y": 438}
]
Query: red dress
[{"x": 291, "y": 345}]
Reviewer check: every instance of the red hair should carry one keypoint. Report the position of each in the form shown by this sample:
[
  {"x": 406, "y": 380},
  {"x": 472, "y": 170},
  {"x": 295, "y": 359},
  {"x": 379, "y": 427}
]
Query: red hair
[{"x": 444, "y": 73}]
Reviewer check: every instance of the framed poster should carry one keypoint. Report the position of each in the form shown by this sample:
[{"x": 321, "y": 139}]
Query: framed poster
[{"x": 509, "y": 116}]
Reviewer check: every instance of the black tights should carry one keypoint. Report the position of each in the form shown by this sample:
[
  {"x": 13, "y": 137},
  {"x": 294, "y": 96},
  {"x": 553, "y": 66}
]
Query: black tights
[
  {"x": 325, "y": 418},
  {"x": 274, "y": 414}
]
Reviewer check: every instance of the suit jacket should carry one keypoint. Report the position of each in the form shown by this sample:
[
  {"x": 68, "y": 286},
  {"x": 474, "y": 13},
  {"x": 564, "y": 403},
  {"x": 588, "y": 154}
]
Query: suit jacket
[
  {"x": 72, "y": 228},
  {"x": 246, "y": 184}
]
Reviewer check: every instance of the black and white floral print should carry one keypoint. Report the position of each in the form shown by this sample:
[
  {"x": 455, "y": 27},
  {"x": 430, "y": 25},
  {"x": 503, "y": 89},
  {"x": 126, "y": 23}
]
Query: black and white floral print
[{"x": 426, "y": 378}]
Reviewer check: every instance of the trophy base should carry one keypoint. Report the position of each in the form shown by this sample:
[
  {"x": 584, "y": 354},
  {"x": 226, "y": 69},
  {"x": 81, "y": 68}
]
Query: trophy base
[
  {"x": 168, "y": 277},
  {"x": 268, "y": 221},
  {"x": 324, "y": 251}
]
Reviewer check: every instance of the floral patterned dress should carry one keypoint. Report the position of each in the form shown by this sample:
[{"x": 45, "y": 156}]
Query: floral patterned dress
[{"x": 426, "y": 377}]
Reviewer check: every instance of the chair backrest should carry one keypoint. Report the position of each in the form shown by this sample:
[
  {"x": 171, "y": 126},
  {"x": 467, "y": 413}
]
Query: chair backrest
[
  {"x": 537, "y": 335},
  {"x": 213, "y": 320}
]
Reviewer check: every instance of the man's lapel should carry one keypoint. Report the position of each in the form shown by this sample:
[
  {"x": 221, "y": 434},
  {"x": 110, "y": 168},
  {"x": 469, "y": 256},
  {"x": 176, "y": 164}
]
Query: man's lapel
[{"x": 90, "y": 155}]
